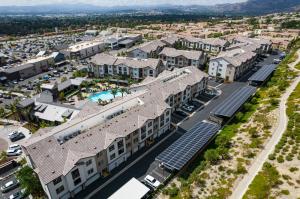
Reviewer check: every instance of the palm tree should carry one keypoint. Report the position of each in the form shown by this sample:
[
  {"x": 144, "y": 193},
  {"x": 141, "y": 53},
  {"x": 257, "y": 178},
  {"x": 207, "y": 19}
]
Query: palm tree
[
  {"x": 123, "y": 90},
  {"x": 38, "y": 88},
  {"x": 2, "y": 112},
  {"x": 114, "y": 92},
  {"x": 100, "y": 101}
]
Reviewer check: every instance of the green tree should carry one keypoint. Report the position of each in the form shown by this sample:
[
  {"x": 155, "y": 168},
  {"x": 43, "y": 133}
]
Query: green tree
[
  {"x": 212, "y": 156},
  {"x": 61, "y": 96},
  {"x": 2, "y": 112},
  {"x": 123, "y": 90},
  {"x": 38, "y": 88},
  {"x": 30, "y": 182},
  {"x": 114, "y": 92},
  {"x": 63, "y": 79}
]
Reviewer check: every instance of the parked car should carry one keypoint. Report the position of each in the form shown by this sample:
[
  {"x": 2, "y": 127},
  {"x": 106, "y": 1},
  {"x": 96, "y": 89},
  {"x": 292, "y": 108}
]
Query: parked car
[
  {"x": 14, "y": 146},
  {"x": 152, "y": 181},
  {"x": 13, "y": 152},
  {"x": 12, "y": 134},
  {"x": 9, "y": 186},
  {"x": 276, "y": 61},
  {"x": 17, "y": 195},
  {"x": 17, "y": 137},
  {"x": 188, "y": 108}
]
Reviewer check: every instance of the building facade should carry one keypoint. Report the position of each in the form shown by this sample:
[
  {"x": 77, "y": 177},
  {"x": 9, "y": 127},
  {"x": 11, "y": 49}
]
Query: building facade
[
  {"x": 182, "y": 58},
  {"x": 103, "y": 64},
  {"x": 84, "y": 50}
]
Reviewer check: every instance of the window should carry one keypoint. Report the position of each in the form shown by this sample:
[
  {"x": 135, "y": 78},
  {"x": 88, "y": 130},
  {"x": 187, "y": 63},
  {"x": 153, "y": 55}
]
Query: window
[
  {"x": 57, "y": 180},
  {"x": 60, "y": 189},
  {"x": 87, "y": 163},
  {"x": 112, "y": 156},
  {"x": 150, "y": 132},
  {"x": 111, "y": 148},
  {"x": 120, "y": 144},
  {"x": 77, "y": 181},
  {"x": 135, "y": 140},
  {"x": 149, "y": 124},
  {"x": 135, "y": 133},
  {"x": 127, "y": 137},
  {"x": 121, "y": 151},
  {"x": 75, "y": 174},
  {"x": 143, "y": 135},
  {"x": 90, "y": 171},
  {"x": 168, "y": 112}
]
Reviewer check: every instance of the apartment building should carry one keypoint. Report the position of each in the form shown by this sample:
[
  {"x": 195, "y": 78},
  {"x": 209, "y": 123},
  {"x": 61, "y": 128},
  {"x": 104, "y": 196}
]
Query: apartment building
[
  {"x": 104, "y": 64},
  {"x": 260, "y": 45},
  {"x": 212, "y": 45},
  {"x": 230, "y": 65},
  {"x": 182, "y": 58},
  {"x": 28, "y": 69},
  {"x": 69, "y": 157},
  {"x": 84, "y": 50},
  {"x": 147, "y": 50}
]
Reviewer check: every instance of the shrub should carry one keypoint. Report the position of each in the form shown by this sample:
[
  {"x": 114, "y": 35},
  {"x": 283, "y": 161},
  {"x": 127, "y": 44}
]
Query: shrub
[
  {"x": 293, "y": 169},
  {"x": 285, "y": 192},
  {"x": 286, "y": 177},
  {"x": 272, "y": 156},
  {"x": 240, "y": 169},
  {"x": 289, "y": 158},
  {"x": 280, "y": 159}
]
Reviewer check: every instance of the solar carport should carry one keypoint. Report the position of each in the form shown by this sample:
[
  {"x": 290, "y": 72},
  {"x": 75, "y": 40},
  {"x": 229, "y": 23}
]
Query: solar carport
[
  {"x": 262, "y": 74},
  {"x": 232, "y": 103},
  {"x": 176, "y": 156}
]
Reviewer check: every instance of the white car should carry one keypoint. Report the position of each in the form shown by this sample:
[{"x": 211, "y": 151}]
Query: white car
[
  {"x": 152, "y": 181},
  {"x": 13, "y": 152},
  {"x": 12, "y": 134},
  {"x": 14, "y": 146}
]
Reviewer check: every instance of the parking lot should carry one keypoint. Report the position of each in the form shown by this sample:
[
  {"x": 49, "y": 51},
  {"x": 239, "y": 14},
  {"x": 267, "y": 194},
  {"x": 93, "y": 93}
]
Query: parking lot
[{"x": 7, "y": 178}]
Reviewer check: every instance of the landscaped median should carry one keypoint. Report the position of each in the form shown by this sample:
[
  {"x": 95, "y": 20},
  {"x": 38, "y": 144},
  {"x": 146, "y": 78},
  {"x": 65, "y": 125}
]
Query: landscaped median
[{"x": 215, "y": 173}]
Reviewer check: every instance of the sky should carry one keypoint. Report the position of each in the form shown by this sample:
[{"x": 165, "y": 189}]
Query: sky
[{"x": 115, "y": 2}]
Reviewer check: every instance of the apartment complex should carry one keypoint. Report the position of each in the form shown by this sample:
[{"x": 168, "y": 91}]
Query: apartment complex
[
  {"x": 69, "y": 157},
  {"x": 147, "y": 50},
  {"x": 238, "y": 58},
  {"x": 212, "y": 45},
  {"x": 104, "y": 64},
  {"x": 84, "y": 49},
  {"x": 28, "y": 69},
  {"x": 182, "y": 58}
]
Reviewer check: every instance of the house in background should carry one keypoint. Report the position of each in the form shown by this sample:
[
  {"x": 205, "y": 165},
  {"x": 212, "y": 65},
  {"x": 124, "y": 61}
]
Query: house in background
[
  {"x": 147, "y": 50},
  {"x": 83, "y": 50}
]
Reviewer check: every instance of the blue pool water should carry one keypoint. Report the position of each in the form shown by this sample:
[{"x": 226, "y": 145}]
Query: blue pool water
[{"x": 103, "y": 95}]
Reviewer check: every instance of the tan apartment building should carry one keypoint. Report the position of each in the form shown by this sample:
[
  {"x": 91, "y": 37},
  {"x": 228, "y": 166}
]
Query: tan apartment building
[{"x": 69, "y": 157}]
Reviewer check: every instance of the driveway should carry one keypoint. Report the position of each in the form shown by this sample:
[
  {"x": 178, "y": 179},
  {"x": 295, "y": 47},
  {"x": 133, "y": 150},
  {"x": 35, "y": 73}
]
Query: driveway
[{"x": 5, "y": 130}]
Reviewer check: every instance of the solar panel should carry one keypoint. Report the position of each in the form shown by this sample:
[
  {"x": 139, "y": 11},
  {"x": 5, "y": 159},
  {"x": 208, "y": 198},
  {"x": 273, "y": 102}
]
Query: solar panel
[
  {"x": 190, "y": 143},
  {"x": 263, "y": 73},
  {"x": 231, "y": 104}
]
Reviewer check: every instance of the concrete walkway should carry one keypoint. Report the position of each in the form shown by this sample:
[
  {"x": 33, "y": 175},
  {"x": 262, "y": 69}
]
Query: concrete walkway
[{"x": 242, "y": 186}]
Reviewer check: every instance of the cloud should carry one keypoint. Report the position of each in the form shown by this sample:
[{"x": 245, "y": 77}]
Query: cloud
[{"x": 117, "y": 2}]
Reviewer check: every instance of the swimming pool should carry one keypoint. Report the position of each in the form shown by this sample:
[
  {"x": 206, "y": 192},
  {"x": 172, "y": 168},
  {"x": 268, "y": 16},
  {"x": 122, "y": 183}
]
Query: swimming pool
[{"x": 103, "y": 95}]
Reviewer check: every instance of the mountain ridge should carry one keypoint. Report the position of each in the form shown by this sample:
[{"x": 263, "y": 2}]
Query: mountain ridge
[{"x": 250, "y": 7}]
